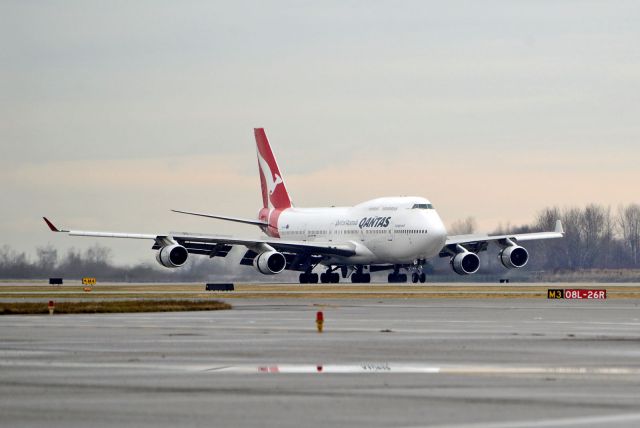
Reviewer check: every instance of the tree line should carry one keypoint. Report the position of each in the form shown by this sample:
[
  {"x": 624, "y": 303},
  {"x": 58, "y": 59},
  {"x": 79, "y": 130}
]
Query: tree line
[
  {"x": 596, "y": 237},
  {"x": 96, "y": 261}
]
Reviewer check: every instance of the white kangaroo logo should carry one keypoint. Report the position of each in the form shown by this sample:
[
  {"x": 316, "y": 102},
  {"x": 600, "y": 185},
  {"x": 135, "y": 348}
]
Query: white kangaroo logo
[{"x": 268, "y": 175}]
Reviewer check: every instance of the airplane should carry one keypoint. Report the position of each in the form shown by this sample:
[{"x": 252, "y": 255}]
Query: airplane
[{"x": 397, "y": 234}]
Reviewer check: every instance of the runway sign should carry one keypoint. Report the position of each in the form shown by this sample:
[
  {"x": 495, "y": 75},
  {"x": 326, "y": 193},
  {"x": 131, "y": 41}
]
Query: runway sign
[
  {"x": 576, "y": 293},
  {"x": 88, "y": 281},
  {"x": 219, "y": 287},
  {"x": 584, "y": 294},
  {"x": 555, "y": 293}
]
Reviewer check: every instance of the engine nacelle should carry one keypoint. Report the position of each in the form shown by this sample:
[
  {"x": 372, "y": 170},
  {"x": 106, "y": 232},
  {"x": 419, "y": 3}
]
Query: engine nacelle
[
  {"x": 465, "y": 263},
  {"x": 270, "y": 262},
  {"x": 513, "y": 257},
  {"x": 172, "y": 256}
]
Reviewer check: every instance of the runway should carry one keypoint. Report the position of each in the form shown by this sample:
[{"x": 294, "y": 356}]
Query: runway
[
  {"x": 390, "y": 362},
  {"x": 34, "y": 291}
]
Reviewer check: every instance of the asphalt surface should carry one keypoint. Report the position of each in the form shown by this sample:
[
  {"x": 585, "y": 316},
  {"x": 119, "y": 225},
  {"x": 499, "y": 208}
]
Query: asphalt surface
[
  {"x": 34, "y": 291},
  {"x": 399, "y": 363}
]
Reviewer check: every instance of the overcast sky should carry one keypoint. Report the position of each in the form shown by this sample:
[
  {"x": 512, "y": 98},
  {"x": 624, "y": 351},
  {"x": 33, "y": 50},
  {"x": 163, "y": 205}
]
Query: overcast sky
[{"x": 112, "y": 113}]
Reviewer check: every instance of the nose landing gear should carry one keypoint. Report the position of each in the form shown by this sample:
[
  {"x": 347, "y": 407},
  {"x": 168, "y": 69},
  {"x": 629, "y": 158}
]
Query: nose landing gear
[
  {"x": 418, "y": 276},
  {"x": 418, "y": 273}
]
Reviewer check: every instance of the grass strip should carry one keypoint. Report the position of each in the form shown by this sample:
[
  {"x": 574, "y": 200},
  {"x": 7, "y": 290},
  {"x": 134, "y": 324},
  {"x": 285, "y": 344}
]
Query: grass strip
[{"x": 108, "y": 306}]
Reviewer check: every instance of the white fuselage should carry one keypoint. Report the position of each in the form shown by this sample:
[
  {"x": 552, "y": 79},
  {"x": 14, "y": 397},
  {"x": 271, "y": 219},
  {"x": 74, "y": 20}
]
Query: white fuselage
[{"x": 396, "y": 230}]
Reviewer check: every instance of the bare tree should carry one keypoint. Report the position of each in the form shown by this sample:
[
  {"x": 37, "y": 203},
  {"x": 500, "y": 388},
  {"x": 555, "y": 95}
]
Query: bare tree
[
  {"x": 47, "y": 257},
  {"x": 629, "y": 228},
  {"x": 14, "y": 264},
  {"x": 571, "y": 220},
  {"x": 597, "y": 233},
  {"x": 5, "y": 250},
  {"x": 546, "y": 219},
  {"x": 463, "y": 227},
  {"x": 551, "y": 254},
  {"x": 97, "y": 254}
]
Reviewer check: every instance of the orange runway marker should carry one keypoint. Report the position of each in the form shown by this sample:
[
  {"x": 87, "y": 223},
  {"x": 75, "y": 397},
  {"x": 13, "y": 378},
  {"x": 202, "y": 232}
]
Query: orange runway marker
[{"x": 319, "y": 321}]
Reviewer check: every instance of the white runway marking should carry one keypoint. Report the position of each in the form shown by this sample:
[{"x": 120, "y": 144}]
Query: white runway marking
[
  {"x": 361, "y": 368},
  {"x": 559, "y": 422},
  {"x": 385, "y": 367}
]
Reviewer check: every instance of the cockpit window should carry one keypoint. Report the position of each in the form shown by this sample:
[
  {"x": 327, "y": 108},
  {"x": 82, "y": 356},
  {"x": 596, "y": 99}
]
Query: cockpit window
[{"x": 422, "y": 206}]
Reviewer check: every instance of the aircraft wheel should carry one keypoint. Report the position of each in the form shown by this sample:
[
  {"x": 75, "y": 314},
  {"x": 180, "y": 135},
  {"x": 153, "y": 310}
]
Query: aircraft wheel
[
  {"x": 335, "y": 277},
  {"x": 324, "y": 278},
  {"x": 423, "y": 277},
  {"x": 355, "y": 278},
  {"x": 366, "y": 278},
  {"x": 392, "y": 278},
  {"x": 415, "y": 277},
  {"x": 303, "y": 278},
  {"x": 313, "y": 278}
]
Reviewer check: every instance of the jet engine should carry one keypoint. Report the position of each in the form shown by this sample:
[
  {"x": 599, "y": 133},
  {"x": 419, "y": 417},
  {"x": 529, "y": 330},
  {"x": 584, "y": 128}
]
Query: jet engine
[
  {"x": 465, "y": 263},
  {"x": 172, "y": 256},
  {"x": 270, "y": 262},
  {"x": 513, "y": 257}
]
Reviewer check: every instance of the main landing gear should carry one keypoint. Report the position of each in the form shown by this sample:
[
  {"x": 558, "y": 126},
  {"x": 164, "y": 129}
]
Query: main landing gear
[
  {"x": 312, "y": 278},
  {"x": 329, "y": 277},
  {"x": 396, "y": 277},
  {"x": 359, "y": 277},
  {"x": 308, "y": 278}
]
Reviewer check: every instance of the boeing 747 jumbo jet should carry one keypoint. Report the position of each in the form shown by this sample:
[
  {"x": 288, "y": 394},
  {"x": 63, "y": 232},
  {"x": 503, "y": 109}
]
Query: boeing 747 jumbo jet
[{"x": 397, "y": 234}]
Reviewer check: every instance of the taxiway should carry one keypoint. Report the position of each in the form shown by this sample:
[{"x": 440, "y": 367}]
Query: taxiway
[{"x": 390, "y": 362}]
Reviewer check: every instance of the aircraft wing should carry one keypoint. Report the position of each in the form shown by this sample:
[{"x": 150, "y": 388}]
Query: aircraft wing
[
  {"x": 479, "y": 242},
  {"x": 315, "y": 247},
  {"x": 220, "y": 245}
]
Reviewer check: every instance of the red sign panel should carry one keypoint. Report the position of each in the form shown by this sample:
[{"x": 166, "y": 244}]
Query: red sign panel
[{"x": 581, "y": 293}]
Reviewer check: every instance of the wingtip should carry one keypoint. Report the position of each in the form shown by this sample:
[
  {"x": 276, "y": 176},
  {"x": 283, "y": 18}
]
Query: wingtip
[
  {"x": 51, "y": 225},
  {"x": 559, "y": 228}
]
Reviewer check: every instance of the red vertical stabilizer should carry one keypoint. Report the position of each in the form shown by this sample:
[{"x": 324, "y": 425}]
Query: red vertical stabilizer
[{"x": 274, "y": 191}]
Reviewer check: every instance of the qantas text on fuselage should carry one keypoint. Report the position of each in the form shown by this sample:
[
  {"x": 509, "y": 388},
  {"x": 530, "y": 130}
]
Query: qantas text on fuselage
[{"x": 397, "y": 234}]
